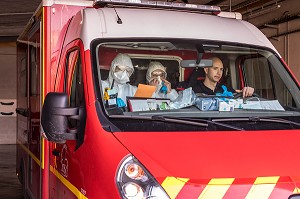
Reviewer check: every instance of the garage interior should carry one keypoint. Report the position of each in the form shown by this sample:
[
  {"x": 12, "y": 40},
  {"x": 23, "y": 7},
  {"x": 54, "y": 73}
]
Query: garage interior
[{"x": 279, "y": 20}]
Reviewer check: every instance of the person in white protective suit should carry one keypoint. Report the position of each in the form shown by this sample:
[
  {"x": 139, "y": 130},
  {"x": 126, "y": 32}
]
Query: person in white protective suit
[
  {"x": 156, "y": 76},
  {"x": 120, "y": 71}
]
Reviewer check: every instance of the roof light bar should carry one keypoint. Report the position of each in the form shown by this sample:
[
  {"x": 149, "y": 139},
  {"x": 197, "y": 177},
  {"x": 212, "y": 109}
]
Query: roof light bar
[
  {"x": 233, "y": 15},
  {"x": 159, "y": 4}
]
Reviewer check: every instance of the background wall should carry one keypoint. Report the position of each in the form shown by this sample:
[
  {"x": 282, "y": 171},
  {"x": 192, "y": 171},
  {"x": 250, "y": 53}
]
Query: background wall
[
  {"x": 284, "y": 36},
  {"x": 288, "y": 45},
  {"x": 8, "y": 91}
]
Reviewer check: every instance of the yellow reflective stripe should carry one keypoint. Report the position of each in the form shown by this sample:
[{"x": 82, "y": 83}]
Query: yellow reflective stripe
[
  {"x": 42, "y": 77},
  {"x": 42, "y": 153},
  {"x": 262, "y": 188},
  {"x": 216, "y": 188},
  {"x": 173, "y": 185},
  {"x": 296, "y": 190},
  {"x": 29, "y": 153},
  {"x": 71, "y": 187},
  {"x": 43, "y": 57}
]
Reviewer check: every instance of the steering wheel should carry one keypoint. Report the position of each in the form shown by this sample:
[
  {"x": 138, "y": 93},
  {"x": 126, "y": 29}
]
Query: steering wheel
[{"x": 240, "y": 95}]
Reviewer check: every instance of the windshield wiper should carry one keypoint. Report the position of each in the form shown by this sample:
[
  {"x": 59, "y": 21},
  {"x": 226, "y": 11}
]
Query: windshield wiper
[
  {"x": 191, "y": 121},
  {"x": 161, "y": 119},
  {"x": 258, "y": 119},
  {"x": 210, "y": 122},
  {"x": 187, "y": 121}
]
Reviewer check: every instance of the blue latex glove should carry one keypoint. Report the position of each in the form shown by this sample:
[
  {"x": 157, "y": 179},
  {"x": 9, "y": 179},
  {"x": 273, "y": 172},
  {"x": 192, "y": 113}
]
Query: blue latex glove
[
  {"x": 120, "y": 103},
  {"x": 225, "y": 93},
  {"x": 163, "y": 88}
]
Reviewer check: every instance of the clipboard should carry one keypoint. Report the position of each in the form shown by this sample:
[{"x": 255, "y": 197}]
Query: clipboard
[{"x": 144, "y": 90}]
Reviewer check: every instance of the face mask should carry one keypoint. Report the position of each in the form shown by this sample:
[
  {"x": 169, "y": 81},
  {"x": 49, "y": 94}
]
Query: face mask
[{"x": 121, "y": 77}]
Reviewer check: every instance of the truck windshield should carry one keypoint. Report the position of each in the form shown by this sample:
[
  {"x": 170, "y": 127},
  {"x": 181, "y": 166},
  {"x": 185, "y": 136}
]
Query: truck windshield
[{"x": 176, "y": 85}]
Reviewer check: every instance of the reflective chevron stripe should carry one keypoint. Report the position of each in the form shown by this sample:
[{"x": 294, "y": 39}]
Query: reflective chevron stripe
[
  {"x": 216, "y": 188},
  {"x": 223, "y": 188},
  {"x": 262, "y": 188},
  {"x": 173, "y": 185}
]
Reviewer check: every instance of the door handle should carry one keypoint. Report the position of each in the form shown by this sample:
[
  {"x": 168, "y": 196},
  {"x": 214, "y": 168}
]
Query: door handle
[{"x": 56, "y": 153}]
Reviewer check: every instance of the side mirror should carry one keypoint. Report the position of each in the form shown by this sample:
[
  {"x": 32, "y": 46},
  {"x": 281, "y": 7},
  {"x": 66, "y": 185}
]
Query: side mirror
[
  {"x": 204, "y": 63},
  {"x": 55, "y": 115}
]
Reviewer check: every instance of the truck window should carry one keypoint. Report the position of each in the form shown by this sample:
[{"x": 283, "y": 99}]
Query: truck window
[
  {"x": 258, "y": 74},
  {"x": 275, "y": 91},
  {"x": 282, "y": 91},
  {"x": 76, "y": 91},
  {"x": 265, "y": 79},
  {"x": 23, "y": 78},
  {"x": 34, "y": 59}
]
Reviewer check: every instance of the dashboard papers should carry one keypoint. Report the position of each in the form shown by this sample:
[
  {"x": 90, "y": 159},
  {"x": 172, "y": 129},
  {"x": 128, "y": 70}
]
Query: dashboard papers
[
  {"x": 147, "y": 104},
  {"x": 264, "y": 105}
]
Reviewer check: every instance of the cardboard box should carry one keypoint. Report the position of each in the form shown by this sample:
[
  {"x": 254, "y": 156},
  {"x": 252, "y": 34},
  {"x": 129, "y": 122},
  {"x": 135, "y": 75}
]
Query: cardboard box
[{"x": 224, "y": 106}]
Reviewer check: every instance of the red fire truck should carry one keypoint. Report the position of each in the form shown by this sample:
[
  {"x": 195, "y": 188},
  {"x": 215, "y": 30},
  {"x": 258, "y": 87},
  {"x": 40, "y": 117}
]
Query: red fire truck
[{"x": 75, "y": 138}]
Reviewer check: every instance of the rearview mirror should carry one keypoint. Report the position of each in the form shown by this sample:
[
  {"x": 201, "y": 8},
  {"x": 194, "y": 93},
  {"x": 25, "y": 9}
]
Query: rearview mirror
[
  {"x": 204, "y": 63},
  {"x": 54, "y": 119}
]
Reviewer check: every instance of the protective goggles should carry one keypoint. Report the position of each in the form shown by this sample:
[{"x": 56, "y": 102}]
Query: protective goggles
[
  {"x": 157, "y": 73},
  {"x": 123, "y": 68}
]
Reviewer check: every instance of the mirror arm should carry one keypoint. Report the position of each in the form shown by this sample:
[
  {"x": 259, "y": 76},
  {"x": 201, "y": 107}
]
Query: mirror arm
[
  {"x": 199, "y": 57},
  {"x": 71, "y": 135},
  {"x": 200, "y": 51}
]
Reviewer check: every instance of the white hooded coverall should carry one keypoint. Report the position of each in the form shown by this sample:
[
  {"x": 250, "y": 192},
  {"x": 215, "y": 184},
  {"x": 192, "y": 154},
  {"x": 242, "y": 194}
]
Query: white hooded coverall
[
  {"x": 172, "y": 95},
  {"x": 120, "y": 84}
]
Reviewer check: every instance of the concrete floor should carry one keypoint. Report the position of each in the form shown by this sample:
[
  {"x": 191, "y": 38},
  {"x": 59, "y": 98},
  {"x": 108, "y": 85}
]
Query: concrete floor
[{"x": 10, "y": 187}]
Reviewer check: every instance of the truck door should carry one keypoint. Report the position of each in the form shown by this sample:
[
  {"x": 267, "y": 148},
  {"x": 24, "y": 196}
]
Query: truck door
[
  {"x": 64, "y": 160},
  {"x": 28, "y": 110}
]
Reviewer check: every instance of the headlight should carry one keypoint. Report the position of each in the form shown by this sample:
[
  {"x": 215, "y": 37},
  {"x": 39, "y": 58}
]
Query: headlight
[{"x": 135, "y": 182}]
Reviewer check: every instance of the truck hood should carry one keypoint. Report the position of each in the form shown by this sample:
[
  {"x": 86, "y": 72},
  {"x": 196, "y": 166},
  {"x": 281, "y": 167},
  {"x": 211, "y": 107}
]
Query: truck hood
[{"x": 258, "y": 164}]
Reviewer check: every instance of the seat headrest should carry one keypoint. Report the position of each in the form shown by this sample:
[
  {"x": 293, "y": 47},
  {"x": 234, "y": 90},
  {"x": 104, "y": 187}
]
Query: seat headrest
[{"x": 197, "y": 74}]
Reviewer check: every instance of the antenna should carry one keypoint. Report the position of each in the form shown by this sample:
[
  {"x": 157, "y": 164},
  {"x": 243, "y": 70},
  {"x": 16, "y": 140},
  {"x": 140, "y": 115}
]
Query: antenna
[{"x": 119, "y": 21}]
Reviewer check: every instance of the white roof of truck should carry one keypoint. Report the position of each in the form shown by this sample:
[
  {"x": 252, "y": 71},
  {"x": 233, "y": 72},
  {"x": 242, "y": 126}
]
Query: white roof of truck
[{"x": 155, "y": 23}]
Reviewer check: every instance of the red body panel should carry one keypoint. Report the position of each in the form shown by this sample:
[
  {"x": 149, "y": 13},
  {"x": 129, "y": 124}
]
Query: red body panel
[{"x": 202, "y": 156}]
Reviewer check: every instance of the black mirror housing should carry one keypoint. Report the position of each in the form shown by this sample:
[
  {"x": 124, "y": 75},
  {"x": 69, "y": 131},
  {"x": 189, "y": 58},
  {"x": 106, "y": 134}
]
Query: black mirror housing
[{"x": 54, "y": 117}]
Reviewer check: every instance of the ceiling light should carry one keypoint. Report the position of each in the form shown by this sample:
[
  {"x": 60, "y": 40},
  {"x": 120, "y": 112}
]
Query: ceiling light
[{"x": 263, "y": 11}]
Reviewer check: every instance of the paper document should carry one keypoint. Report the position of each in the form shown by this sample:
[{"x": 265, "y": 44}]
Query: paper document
[
  {"x": 144, "y": 90},
  {"x": 144, "y": 104},
  {"x": 139, "y": 105},
  {"x": 264, "y": 105},
  {"x": 271, "y": 105}
]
